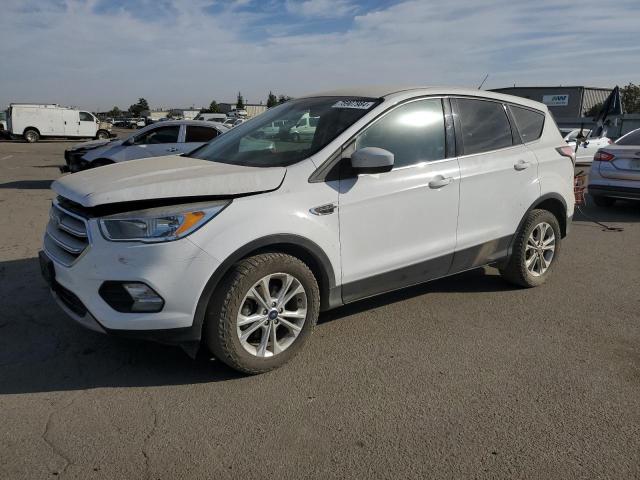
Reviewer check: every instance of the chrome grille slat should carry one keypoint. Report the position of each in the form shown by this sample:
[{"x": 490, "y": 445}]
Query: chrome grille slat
[{"x": 66, "y": 237}]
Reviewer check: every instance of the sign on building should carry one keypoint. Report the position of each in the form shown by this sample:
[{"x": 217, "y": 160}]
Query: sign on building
[{"x": 555, "y": 100}]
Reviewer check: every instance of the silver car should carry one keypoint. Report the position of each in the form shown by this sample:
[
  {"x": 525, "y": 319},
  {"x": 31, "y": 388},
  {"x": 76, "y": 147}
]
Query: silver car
[
  {"x": 615, "y": 172},
  {"x": 156, "y": 140}
]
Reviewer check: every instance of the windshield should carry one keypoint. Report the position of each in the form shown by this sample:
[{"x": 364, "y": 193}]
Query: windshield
[
  {"x": 288, "y": 133},
  {"x": 632, "y": 138}
]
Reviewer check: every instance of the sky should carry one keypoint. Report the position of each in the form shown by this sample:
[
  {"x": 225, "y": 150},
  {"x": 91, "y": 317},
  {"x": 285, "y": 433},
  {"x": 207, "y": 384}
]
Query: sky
[{"x": 96, "y": 54}]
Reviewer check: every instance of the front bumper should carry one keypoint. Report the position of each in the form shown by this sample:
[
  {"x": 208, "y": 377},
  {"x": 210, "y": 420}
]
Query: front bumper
[{"x": 178, "y": 271}]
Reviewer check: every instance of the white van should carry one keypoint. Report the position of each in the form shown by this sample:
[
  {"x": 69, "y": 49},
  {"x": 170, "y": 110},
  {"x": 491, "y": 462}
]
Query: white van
[
  {"x": 33, "y": 121},
  {"x": 211, "y": 117}
]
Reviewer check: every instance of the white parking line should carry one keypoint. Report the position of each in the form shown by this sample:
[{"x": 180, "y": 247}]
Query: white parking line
[{"x": 6, "y": 157}]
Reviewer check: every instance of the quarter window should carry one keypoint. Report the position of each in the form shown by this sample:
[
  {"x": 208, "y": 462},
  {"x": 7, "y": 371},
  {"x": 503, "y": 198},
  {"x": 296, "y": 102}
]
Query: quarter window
[
  {"x": 484, "y": 125},
  {"x": 413, "y": 132},
  {"x": 200, "y": 134},
  {"x": 529, "y": 123}
]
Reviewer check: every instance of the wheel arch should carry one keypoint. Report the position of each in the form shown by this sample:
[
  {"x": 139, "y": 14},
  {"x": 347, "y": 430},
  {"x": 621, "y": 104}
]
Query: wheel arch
[
  {"x": 295, "y": 245},
  {"x": 31, "y": 128}
]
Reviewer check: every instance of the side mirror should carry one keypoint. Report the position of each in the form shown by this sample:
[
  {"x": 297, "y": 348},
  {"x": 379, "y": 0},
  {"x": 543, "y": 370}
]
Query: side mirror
[{"x": 372, "y": 160}]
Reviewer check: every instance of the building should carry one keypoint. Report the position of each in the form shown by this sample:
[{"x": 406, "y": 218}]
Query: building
[
  {"x": 252, "y": 109},
  {"x": 565, "y": 103}
]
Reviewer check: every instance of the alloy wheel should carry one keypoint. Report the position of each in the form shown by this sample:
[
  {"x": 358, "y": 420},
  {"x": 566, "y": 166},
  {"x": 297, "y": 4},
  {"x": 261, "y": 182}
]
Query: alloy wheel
[
  {"x": 272, "y": 315},
  {"x": 540, "y": 249}
]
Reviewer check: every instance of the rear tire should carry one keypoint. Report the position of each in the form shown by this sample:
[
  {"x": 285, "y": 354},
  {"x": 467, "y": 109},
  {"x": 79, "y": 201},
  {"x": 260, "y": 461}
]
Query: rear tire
[
  {"x": 535, "y": 250},
  {"x": 31, "y": 135},
  {"x": 603, "y": 201},
  {"x": 239, "y": 332}
]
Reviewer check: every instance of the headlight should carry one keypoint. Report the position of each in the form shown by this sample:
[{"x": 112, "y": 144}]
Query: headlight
[{"x": 159, "y": 224}]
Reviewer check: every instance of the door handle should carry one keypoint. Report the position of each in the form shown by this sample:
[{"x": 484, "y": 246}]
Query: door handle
[
  {"x": 521, "y": 165},
  {"x": 440, "y": 182}
]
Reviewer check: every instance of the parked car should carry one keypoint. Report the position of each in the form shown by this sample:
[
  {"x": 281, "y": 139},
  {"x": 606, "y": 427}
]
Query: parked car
[
  {"x": 3, "y": 123},
  {"x": 235, "y": 113},
  {"x": 233, "y": 122},
  {"x": 615, "y": 172},
  {"x": 588, "y": 148},
  {"x": 137, "y": 123},
  {"x": 211, "y": 117},
  {"x": 34, "y": 121},
  {"x": 159, "y": 139},
  {"x": 239, "y": 244}
]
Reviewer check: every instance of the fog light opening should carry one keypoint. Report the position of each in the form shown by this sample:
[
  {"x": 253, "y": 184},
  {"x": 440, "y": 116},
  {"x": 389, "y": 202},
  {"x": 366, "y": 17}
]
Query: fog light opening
[{"x": 144, "y": 298}]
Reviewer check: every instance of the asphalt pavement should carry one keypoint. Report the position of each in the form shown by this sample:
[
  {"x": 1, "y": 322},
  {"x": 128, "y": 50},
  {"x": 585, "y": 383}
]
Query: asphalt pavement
[{"x": 466, "y": 377}]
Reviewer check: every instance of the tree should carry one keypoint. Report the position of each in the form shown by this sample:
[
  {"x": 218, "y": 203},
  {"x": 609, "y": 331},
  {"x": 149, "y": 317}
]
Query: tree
[
  {"x": 630, "y": 98},
  {"x": 213, "y": 107},
  {"x": 272, "y": 100},
  {"x": 137, "y": 108},
  {"x": 240, "y": 102},
  {"x": 283, "y": 99},
  {"x": 114, "y": 112}
]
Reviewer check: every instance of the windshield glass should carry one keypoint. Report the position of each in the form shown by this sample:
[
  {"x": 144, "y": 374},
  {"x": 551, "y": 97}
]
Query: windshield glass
[
  {"x": 632, "y": 138},
  {"x": 288, "y": 133}
]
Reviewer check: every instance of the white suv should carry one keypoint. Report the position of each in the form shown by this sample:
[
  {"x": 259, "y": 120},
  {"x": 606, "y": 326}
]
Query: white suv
[{"x": 240, "y": 244}]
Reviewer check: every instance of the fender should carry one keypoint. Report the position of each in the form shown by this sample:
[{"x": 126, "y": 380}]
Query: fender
[
  {"x": 547, "y": 196},
  {"x": 329, "y": 293}
]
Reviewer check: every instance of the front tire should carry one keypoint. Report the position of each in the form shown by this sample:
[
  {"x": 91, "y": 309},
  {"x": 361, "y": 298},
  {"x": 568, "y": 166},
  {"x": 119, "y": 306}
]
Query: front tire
[
  {"x": 535, "y": 250},
  {"x": 262, "y": 313},
  {"x": 102, "y": 135},
  {"x": 31, "y": 135}
]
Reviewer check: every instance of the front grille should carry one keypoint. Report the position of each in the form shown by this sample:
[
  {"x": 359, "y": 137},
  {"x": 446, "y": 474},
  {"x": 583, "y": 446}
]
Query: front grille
[{"x": 66, "y": 237}]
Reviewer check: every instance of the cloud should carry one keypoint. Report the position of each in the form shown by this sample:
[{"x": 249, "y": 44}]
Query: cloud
[
  {"x": 184, "y": 52},
  {"x": 320, "y": 8}
]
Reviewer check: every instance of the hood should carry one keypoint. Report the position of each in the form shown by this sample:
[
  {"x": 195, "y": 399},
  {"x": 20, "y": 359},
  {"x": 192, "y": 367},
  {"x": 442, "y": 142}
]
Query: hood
[
  {"x": 96, "y": 143},
  {"x": 165, "y": 177}
]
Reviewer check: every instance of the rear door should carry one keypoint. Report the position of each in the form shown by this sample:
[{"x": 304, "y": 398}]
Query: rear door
[
  {"x": 157, "y": 142},
  {"x": 195, "y": 136},
  {"x": 499, "y": 181}
]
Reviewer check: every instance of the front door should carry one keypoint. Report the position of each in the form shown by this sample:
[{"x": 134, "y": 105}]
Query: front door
[
  {"x": 157, "y": 142},
  {"x": 398, "y": 228},
  {"x": 88, "y": 125}
]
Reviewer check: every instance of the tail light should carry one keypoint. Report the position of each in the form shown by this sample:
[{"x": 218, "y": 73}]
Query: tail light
[
  {"x": 603, "y": 157},
  {"x": 609, "y": 141},
  {"x": 567, "y": 151}
]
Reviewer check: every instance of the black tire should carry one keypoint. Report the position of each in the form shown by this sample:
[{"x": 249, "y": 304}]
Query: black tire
[
  {"x": 31, "y": 135},
  {"x": 516, "y": 271},
  {"x": 102, "y": 135},
  {"x": 220, "y": 329},
  {"x": 603, "y": 201}
]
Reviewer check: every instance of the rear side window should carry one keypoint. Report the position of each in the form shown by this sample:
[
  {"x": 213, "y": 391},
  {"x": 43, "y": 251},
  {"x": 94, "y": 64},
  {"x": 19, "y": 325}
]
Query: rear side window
[
  {"x": 200, "y": 134},
  {"x": 529, "y": 123},
  {"x": 413, "y": 132},
  {"x": 484, "y": 125},
  {"x": 632, "y": 138}
]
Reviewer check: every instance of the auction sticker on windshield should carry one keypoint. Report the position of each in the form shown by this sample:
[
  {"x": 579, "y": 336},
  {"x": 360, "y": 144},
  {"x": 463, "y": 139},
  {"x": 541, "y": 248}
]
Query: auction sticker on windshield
[{"x": 359, "y": 104}]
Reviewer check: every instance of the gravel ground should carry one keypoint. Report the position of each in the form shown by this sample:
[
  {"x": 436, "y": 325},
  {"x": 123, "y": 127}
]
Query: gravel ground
[{"x": 465, "y": 377}]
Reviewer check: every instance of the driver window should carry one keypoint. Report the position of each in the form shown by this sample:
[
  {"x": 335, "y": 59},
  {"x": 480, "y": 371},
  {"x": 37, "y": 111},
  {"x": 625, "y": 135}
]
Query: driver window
[
  {"x": 413, "y": 132},
  {"x": 159, "y": 135},
  {"x": 86, "y": 117}
]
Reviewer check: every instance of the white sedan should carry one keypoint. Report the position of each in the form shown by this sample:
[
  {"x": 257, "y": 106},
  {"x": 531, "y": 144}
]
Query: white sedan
[{"x": 588, "y": 149}]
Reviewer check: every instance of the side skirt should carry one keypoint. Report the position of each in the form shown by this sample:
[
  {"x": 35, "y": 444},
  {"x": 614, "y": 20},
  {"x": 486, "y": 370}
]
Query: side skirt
[{"x": 474, "y": 257}]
